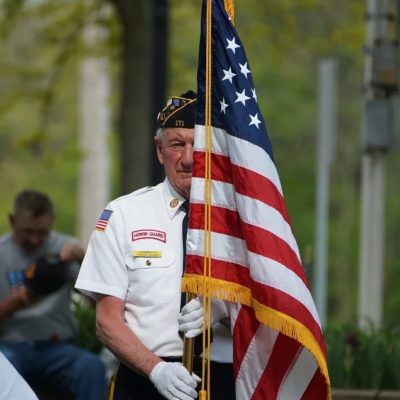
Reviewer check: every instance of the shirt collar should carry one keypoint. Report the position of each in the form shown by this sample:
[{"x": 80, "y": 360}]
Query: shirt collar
[{"x": 173, "y": 200}]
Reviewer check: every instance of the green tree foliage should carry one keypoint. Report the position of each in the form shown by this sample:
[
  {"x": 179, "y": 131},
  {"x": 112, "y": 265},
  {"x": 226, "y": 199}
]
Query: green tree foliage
[
  {"x": 366, "y": 358},
  {"x": 40, "y": 46}
]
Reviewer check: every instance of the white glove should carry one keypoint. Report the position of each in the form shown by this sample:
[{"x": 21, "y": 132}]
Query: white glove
[
  {"x": 173, "y": 381},
  {"x": 191, "y": 318}
]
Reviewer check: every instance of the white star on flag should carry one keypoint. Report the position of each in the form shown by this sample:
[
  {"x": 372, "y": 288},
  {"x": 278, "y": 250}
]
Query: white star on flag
[
  {"x": 254, "y": 120},
  {"x": 224, "y": 106},
  {"x": 228, "y": 74},
  {"x": 232, "y": 45},
  {"x": 254, "y": 94},
  {"x": 244, "y": 70},
  {"x": 241, "y": 97}
]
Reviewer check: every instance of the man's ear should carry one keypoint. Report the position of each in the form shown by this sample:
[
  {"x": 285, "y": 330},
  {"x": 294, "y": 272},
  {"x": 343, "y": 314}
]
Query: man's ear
[
  {"x": 158, "y": 143},
  {"x": 11, "y": 219}
]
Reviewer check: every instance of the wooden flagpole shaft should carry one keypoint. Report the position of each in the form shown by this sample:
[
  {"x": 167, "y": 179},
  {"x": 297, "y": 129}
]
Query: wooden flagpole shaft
[{"x": 188, "y": 344}]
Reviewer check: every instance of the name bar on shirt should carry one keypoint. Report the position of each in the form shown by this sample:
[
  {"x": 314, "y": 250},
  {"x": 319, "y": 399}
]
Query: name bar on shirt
[{"x": 147, "y": 253}]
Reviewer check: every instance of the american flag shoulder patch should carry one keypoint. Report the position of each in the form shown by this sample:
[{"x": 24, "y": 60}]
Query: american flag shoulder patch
[{"x": 103, "y": 220}]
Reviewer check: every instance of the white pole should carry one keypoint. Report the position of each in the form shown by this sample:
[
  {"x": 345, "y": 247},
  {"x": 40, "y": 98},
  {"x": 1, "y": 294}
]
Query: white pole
[
  {"x": 326, "y": 145},
  {"x": 372, "y": 243},
  {"x": 373, "y": 188},
  {"x": 94, "y": 130}
]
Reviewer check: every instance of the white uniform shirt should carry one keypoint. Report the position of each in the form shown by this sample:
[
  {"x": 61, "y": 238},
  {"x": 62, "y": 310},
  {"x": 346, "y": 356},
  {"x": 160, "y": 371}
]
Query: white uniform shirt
[
  {"x": 222, "y": 346},
  {"x": 137, "y": 257},
  {"x": 12, "y": 384}
]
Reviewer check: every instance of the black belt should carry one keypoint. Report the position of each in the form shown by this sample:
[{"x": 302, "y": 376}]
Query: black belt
[
  {"x": 197, "y": 362},
  {"x": 172, "y": 359}
]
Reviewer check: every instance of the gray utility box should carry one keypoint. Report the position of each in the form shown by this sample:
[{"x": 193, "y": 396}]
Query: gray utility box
[{"x": 378, "y": 124}]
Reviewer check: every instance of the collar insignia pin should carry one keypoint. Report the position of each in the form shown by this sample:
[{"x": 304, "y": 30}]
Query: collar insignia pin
[{"x": 173, "y": 203}]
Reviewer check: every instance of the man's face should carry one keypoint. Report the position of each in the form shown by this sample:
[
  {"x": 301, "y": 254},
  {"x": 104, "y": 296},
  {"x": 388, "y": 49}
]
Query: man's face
[
  {"x": 30, "y": 232},
  {"x": 175, "y": 152}
]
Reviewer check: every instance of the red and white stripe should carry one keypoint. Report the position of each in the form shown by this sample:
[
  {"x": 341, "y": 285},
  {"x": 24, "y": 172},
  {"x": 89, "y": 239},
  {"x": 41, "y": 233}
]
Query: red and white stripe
[{"x": 252, "y": 245}]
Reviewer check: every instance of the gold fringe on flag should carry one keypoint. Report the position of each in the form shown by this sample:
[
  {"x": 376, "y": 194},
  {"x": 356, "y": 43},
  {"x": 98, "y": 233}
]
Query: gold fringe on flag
[{"x": 272, "y": 318}]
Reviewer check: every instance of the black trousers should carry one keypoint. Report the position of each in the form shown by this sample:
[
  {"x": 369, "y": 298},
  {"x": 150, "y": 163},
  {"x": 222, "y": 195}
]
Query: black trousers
[{"x": 129, "y": 385}]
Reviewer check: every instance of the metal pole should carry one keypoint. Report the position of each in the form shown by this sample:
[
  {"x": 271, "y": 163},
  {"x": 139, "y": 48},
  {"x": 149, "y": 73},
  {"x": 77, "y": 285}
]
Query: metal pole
[
  {"x": 326, "y": 145},
  {"x": 188, "y": 344},
  {"x": 373, "y": 175}
]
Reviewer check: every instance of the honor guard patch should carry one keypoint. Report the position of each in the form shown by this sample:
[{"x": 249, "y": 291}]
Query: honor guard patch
[
  {"x": 149, "y": 234},
  {"x": 103, "y": 220}
]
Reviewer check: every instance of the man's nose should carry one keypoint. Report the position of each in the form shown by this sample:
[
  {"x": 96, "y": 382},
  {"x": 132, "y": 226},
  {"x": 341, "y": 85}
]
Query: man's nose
[
  {"x": 187, "y": 155},
  {"x": 36, "y": 239}
]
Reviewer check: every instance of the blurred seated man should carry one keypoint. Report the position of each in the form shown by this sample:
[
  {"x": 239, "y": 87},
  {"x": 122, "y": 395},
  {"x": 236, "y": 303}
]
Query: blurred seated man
[{"x": 38, "y": 267}]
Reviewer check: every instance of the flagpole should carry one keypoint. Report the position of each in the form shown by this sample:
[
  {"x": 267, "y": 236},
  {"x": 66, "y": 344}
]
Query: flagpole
[{"x": 188, "y": 344}]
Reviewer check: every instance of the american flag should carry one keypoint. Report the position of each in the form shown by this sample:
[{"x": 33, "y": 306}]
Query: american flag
[
  {"x": 279, "y": 349},
  {"x": 103, "y": 220}
]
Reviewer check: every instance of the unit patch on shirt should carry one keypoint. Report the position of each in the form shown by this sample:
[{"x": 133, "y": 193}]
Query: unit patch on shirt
[
  {"x": 149, "y": 234},
  {"x": 103, "y": 220}
]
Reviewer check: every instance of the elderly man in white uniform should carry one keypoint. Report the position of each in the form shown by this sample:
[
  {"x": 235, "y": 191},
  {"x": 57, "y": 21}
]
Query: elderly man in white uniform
[{"x": 133, "y": 269}]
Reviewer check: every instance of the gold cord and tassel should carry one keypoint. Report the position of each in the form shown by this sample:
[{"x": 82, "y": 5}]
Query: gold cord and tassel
[{"x": 204, "y": 393}]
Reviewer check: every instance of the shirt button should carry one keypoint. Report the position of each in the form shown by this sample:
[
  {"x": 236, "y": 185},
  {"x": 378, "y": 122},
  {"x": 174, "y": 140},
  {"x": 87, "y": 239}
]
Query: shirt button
[{"x": 148, "y": 262}]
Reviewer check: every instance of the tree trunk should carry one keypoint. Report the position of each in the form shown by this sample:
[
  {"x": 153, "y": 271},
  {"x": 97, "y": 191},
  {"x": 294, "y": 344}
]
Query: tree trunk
[{"x": 135, "y": 142}]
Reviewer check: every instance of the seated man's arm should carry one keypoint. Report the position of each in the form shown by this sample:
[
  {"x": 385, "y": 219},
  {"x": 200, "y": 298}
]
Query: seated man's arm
[
  {"x": 21, "y": 298},
  {"x": 72, "y": 252}
]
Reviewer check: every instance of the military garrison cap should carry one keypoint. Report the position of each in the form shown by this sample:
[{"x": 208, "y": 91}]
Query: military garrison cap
[{"x": 178, "y": 112}]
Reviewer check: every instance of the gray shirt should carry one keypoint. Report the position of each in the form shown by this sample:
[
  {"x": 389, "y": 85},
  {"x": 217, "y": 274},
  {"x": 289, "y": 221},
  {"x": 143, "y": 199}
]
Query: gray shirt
[{"x": 49, "y": 319}]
